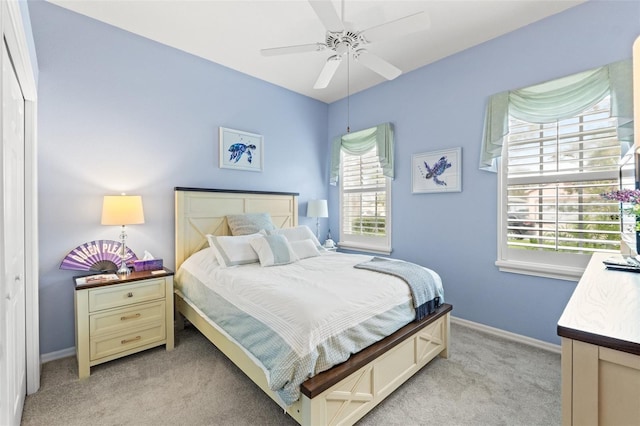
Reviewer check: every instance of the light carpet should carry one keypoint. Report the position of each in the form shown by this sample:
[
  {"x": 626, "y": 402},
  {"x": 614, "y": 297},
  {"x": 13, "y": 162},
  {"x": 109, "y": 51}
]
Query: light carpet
[{"x": 487, "y": 380}]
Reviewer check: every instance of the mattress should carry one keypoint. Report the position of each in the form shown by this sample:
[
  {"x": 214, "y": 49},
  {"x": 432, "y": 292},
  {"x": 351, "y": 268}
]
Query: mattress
[{"x": 300, "y": 319}]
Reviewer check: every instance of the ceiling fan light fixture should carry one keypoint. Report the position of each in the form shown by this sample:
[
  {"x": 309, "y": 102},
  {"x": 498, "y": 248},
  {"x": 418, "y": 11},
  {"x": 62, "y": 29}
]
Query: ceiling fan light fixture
[
  {"x": 349, "y": 38},
  {"x": 344, "y": 39},
  {"x": 341, "y": 49}
]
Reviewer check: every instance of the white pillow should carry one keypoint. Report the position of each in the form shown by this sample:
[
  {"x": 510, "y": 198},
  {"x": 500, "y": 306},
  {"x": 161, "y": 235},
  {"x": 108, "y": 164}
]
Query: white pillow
[
  {"x": 305, "y": 248},
  {"x": 273, "y": 250},
  {"x": 298, "y": 233},
  {"x": 231, "y": 251},
  {"x": 203, "y": 260}
]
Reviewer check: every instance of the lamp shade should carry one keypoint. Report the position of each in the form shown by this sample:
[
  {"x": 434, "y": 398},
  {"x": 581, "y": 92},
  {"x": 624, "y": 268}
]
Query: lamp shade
[
  {"x": 317, "y": 208},
  {"x": 122, "y": 210}
]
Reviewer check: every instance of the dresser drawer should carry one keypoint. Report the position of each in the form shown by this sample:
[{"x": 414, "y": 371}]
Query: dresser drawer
[
  {"x": 127, "y": 294},
  {"x": 126, "y": 318},
  {"x": 107, "y": 345}
]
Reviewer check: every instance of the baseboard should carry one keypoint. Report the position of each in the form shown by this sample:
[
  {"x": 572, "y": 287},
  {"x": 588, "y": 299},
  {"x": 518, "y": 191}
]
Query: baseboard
[
  {"x": 540, "y": 344},
  {"x": 63, "y": 353},
  {"x": 52, "y": 356}
]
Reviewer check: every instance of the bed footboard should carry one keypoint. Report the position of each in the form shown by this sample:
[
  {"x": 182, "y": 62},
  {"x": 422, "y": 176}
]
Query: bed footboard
[
  {"x": 391, "y": 364},
  {"x": 345, "y": 393}
]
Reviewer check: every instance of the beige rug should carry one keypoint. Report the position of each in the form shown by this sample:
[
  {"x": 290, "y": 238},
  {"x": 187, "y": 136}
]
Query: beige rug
[{"x": 486, "y": 381}]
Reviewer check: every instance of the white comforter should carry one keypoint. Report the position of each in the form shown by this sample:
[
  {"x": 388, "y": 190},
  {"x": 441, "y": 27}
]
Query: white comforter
[{"x": 312, "y": 314}]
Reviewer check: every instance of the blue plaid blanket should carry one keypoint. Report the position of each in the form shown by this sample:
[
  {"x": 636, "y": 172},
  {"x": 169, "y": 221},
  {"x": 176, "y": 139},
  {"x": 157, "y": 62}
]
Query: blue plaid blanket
[{"x": 427, "y": 294}]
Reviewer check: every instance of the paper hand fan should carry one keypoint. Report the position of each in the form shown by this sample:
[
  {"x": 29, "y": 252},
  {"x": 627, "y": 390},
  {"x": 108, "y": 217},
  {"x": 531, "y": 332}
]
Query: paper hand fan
[{"x": 99, "y": 256}]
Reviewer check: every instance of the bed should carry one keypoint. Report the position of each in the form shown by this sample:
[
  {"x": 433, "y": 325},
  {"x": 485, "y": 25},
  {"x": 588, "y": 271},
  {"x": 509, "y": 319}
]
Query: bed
[{"x": 341, "y": 394}]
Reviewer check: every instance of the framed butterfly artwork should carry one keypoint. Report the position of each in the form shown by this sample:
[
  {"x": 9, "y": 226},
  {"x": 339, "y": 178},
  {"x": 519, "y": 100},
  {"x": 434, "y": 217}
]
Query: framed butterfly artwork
[{"x": 437, "y": 171}]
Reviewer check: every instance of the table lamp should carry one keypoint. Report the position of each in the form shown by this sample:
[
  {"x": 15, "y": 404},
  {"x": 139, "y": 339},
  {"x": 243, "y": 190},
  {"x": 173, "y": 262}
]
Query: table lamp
[
  {"x": 317, "y": 209},
  {"x": 122, "y": 210}
]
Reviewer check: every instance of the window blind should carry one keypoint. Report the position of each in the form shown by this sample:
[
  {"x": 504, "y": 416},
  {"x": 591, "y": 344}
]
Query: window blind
[
  {"x": 364, "y": 199},
  {"x": 555, "y": 175}
]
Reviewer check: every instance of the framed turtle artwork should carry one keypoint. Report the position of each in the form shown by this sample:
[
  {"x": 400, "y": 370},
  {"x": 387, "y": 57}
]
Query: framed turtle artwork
[
  {"x": 437, "y": 171},
  {"x": 241, "y": 150}
]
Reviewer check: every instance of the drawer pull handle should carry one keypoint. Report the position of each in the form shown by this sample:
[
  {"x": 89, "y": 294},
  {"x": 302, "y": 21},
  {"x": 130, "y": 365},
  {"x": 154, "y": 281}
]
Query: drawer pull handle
[
  {"x": 129, "y": 317},
  {"x": 125, "y": 341},
  {"x": 129, "y": 294}
]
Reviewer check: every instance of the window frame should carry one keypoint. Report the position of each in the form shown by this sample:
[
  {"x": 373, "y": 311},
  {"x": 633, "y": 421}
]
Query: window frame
[
  {"x": 563, "y": 266},
  {"x": 377, "y": 245},
  {"x": 549, "y": 264}
]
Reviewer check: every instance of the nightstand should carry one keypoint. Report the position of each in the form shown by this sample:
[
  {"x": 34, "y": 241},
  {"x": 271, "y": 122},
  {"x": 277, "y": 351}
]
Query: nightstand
[{"x": 122, "y": 316}]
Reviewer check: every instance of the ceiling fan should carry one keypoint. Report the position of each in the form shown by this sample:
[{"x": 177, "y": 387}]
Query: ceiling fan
[{"x": 343, "y": 40}]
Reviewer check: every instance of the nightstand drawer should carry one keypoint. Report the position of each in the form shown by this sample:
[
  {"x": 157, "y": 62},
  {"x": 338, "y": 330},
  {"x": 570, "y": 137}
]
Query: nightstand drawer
[
  {"x": 127, "y": 294},
  {"x": 112, "y": 344},
  {"x": 121, "y": 319}
]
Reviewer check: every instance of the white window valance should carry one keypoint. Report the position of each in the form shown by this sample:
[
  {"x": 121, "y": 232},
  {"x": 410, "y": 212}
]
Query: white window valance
[
  {"x": 358, "y": 143},
  {"x": 560, "y": 99}
]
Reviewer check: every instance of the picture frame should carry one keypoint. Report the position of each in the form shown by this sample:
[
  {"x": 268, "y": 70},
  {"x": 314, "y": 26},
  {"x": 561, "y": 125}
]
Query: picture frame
[
  {"x": 241, "y": 150},
  {"x": 437, "y": 171}
]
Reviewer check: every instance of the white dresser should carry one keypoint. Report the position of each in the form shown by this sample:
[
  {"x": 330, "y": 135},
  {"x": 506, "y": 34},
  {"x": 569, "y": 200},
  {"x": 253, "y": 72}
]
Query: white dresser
[{"x": 600, "y": 330}]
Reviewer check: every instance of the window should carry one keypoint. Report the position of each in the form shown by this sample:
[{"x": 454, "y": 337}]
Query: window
[
  {"x": 363, "y": 164},
  {"x": 552, "y": 216},
  {"x": 364, "y": 203},
  {"x": 550, "y": 213}
]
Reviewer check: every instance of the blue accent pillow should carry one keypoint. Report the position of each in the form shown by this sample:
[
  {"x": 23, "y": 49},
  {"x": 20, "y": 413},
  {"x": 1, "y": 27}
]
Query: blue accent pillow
[{"x": 273, "y": 250}]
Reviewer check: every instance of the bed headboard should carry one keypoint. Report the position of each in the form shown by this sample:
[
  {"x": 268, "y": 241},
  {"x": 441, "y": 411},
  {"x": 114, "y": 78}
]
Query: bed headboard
[{"x": 199, "y": 212}]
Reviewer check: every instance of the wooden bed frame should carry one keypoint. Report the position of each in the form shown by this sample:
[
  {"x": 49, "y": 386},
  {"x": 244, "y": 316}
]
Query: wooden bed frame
[{"x": 343, "y": 394}]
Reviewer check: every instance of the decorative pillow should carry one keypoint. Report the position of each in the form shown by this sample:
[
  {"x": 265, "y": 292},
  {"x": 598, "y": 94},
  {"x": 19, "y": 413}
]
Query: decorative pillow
[
  {"x": 297, "y": 233},
  {"x": 231, "y": 251},
  {"x": 305, "y": 248},
  {"x": 273, "y": 250},
  {"x": 249, "y": 223}
]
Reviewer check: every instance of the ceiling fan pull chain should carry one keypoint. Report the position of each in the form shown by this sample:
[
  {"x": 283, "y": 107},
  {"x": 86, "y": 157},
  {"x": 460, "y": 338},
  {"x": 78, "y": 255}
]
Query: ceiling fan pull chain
[{"x": 348, "y": 91}]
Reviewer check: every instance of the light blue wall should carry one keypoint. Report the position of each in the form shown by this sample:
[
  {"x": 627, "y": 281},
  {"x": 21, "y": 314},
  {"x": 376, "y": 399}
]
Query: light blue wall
[
  {"x": 118, "y": 112},
  {"x": 121, "y": 113},
  {"x": 442, "y": 106}
]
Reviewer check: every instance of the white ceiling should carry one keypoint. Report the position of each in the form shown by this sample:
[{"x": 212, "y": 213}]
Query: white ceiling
[{"x": 232, "y": 32}]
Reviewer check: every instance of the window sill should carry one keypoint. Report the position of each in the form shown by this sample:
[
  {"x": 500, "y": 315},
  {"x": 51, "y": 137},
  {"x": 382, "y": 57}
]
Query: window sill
[
  {"x": 567, "y": 273},
  {"x": 364, "y": 248}
]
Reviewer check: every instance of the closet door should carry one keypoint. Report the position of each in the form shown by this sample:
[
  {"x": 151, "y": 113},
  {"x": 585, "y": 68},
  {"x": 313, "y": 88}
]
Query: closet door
[{"x": 13, "y": 244}]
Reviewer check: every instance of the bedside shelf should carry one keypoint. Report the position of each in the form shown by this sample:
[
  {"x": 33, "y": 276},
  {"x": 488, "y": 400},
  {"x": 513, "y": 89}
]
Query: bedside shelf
[{"x": 120, "y": 317}]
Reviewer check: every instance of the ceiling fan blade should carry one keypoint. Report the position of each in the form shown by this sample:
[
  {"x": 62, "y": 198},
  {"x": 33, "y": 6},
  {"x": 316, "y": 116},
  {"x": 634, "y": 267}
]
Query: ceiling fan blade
[
  {"x": 329, "y": 69},
  {"x": 377, "y": 64},
  {"x": 300, "y": 48},
  {"x": 327, "y": 14},
  {"x": 400, "y": 27}
]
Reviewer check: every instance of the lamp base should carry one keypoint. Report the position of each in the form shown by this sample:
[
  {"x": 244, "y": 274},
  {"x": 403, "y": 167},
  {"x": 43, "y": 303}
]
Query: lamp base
[
  {"x": 123, "y": 264},
  {"x": 124, "y": 270}
]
